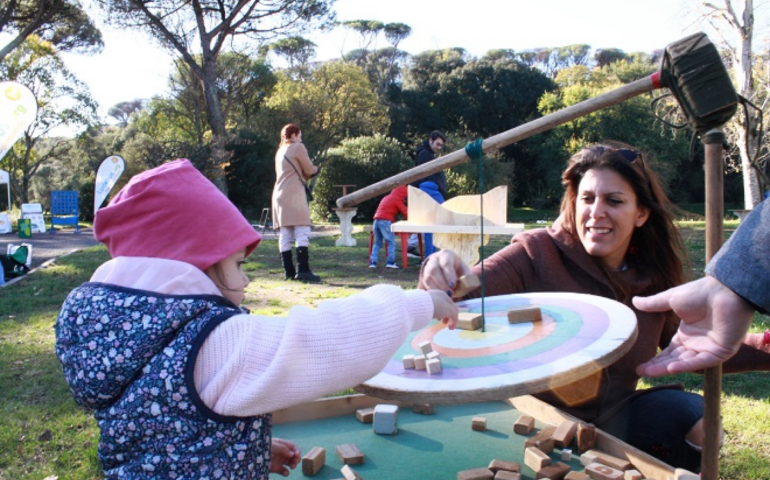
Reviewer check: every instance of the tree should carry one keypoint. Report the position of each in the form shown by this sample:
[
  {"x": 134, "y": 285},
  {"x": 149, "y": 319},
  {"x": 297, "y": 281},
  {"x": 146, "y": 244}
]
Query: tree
[
  {"x": 335, "y": 102},
  {"x": 62, "y": 99},
  {"x": 61, "y": 22},
  {"x": 296, "y": 50},
  {"x": 734, "y": 22},
  {"x": 122, "y": 111},
  {"x": 183, "y": 25}
]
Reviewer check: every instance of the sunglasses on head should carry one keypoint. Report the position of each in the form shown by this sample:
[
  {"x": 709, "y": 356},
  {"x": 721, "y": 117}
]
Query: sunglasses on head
[{"x": 630, "y": 155}]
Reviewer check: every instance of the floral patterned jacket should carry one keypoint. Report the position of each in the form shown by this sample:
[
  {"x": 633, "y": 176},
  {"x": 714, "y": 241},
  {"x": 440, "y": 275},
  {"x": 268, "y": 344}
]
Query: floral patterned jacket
[{"x": 129, "y": 355}]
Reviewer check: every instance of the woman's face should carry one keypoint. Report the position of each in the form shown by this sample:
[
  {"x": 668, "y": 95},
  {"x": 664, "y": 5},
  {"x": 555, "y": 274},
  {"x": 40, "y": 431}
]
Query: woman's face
[
  {"x": 606, "y": 213},
  {"x": 229, "y": 277}
]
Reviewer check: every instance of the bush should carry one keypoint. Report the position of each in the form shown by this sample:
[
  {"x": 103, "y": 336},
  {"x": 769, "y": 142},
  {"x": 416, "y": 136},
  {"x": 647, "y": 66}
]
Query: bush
[
  {"x": 361, "y": 162},
  {"x": 251, "y": 174}
]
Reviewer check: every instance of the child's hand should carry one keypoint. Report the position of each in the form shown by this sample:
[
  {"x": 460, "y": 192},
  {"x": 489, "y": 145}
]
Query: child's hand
[
  {"x": 444, "y": 309},
  {"x": 284, "y": 454}
]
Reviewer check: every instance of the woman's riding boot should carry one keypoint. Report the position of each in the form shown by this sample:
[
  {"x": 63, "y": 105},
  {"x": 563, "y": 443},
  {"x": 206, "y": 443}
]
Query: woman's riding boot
[
  {"x": 303, "y": 264},
  {"x": 288, "y": 265}
]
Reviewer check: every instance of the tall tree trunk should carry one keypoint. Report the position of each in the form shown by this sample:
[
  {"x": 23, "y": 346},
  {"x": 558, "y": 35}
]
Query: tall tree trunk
[{"x": 215, "y": 117}]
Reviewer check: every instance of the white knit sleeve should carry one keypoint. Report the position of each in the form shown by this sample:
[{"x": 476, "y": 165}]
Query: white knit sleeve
[{"x": 253, "y": 364}]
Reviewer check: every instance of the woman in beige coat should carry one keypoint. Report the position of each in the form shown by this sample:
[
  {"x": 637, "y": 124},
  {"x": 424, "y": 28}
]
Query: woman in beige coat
[{"x": 291, "y": 214}]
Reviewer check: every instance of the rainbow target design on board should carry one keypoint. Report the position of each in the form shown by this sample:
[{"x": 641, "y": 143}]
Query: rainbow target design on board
[{"x": 578, "y": 335}]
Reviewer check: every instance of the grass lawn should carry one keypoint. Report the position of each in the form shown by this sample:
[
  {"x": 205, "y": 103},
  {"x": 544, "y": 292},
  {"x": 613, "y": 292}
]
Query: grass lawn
[{"x": 43, "y": 433}]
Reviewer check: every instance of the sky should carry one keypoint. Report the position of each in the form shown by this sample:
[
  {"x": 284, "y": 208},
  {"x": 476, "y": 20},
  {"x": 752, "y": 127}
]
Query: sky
[{"x": 132, "y": 66}]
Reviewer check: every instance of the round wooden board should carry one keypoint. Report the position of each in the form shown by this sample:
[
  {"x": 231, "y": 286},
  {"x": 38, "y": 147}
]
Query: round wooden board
[{"x": 578, "y": 336}]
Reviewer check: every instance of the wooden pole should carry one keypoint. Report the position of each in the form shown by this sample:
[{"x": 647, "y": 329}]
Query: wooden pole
[
  {"x": 712, "y": 383},
  {"x": 506, "y": 138}
]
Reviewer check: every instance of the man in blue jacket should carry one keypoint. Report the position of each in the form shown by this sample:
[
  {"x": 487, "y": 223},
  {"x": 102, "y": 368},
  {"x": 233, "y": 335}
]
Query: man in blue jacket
[{"x": 427, "y": 152}]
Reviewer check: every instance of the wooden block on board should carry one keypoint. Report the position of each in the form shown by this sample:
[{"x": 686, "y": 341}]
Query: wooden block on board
[
  {"x": 425, "y": 347},
  {"x": 423, "y": 408},
  {"x": 566, "y": 455},
  {"x": 408, "y": 361},
  {"x": 506, "y": 475},
  {"x": 528, "y": 313},
  {"x": 524, "y": 425},
  {"x": 433, "y": 366},
  {"x": 633, "y": 475},
  {"x": 586, "y": 437},
  {"x": 313, "y": 461},
  {"x": 609, "y": 460},
  {"x": 497, "y": 465},
  {"x": 365, "y": 415},
  {"x": 564, "y": 434},
  {"x": 350, "y": 474},
  {"x": 543, "y": 440},
  {"x": 385, "y": 419},
  {"x": 419, "y": 362},
  {"x": 589, "y": 457},
  {"x": 573, "y": 475},
  {"x": 479, "y": 424},
  {"x": 465, "y": 285},
  {"x": 536, "y": 459},
  {"x": 476, "y": 474},
  {"x": 555, "y": 471},
  {"x": 469, "y": 321},
  {"x": 432, "y": 356},
  {"x": 349, "y": 454},
  {"x": 682, "y": 474},
  {"x": 598, "y": 471}
]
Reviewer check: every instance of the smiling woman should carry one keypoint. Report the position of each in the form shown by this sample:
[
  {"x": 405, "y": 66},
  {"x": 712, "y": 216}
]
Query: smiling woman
[{"x": 614, "y": 238}]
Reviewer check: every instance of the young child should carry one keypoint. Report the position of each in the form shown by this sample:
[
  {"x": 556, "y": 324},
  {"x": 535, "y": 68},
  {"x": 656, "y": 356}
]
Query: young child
[
  {"x": 390, "y": 206},
  {"x": 180, "y": 379}
]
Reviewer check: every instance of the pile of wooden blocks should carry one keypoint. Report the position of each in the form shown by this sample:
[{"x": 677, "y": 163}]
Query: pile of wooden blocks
[
  {"x": 427, "y": 360},
  {"x": 539, "y": 447}
]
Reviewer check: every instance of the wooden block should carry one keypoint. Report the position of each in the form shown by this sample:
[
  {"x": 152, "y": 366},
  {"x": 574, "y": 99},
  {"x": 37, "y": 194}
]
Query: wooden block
[
  {"x": 564, "y": 434},
  {"x": 497, "y": 465},
  {"x": 365, "y": 415},
  {"x": 524, "y": 425},
  {"x": 536, "y": 459},
  {"x": 543, "y": 440},
  {"x": 349, "y": 454},
  {"x": 586, "y": 437},
  {"x": 566, "y": 455},
  {"x": 573, "y": 475},
  {"x": 408, "y": 361},
  {"x": 633, "y": 475},
  {"x": 419, "y": 362},
  {"x": 506, "y": 475},
  {"x": 589, "y": 457},
  {"x": 313, "y": 461},
  {"x": 465, "y": 285},
  {"x": 682, "y": 474},
  {"x": 423, "y": 408},
  {"x": 385, "y": 419},
  {"x": 609, "y": 460},
  {"x": 524, "y": 314},
  {"x": 479, "y": 424},
  {"x": 350, "y": 474},
  {"x": 433, "y": 366},
  {"x": 469, "y": 321},
  {"x": 425, "y": 347},
  {"x": 555, "y": 471},
  {"x": 598, "y": 471},
  {"x": 475, "y": 474},
  {"x": 432, "y": 355}
]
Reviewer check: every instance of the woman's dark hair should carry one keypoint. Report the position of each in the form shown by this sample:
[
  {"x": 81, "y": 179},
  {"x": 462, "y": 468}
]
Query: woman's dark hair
[
  {"x": 656, "y": 247},
  {"x": 287, "y": 132},
  {"x": 436, "y": 134}
]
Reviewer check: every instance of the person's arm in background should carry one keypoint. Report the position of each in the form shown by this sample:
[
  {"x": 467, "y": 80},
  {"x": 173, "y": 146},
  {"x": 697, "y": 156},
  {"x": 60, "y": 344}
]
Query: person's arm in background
[
  {"x": 301, "y": 156},
  {"x": 717, "y": 310}
]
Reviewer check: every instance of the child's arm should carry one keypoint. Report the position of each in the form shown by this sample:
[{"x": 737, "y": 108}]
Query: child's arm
[{"x": 252, "y": 364}]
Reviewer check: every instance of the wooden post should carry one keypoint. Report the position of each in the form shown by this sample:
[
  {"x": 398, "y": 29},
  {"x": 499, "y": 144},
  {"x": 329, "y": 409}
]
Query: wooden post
[
  {"x": 501, "y": 140},
  {"x": 712, "y": 386}
]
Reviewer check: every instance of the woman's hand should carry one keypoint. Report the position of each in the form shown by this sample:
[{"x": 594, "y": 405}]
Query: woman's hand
[
  {"x": 284, "y": 454},
  {"x": 441, "y": 271}
]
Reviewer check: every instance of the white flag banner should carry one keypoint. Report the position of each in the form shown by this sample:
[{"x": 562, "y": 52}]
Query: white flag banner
[
  {"x": 106, "y": 177},
  {"x": 18, "y": 109}
]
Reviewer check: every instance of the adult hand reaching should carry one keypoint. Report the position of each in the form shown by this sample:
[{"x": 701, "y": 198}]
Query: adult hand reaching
[
  {"x": 714, "y": 323},
  {"x": 441, "y": 271}
]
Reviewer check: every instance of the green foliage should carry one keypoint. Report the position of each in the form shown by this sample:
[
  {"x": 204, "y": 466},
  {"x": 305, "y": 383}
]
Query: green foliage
[
  {"x": 251, "y": 173},
  {"x": 361, "y": 162}
]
